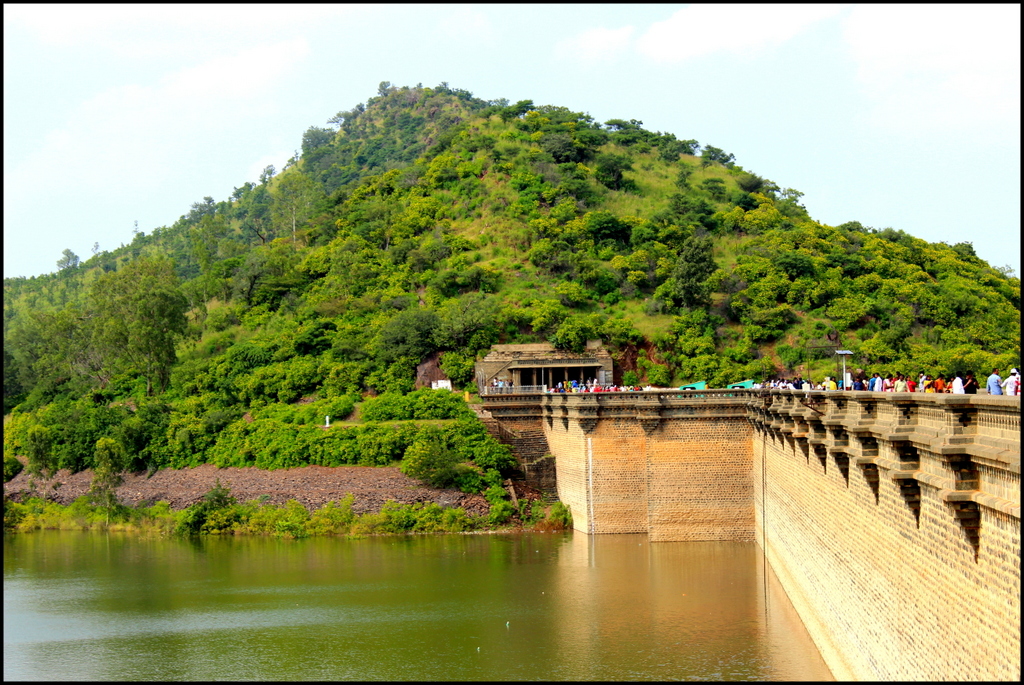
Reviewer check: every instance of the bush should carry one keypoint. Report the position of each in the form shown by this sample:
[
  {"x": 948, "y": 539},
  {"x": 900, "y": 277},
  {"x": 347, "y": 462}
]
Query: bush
[
  {"x": 560, "y": 516},
  {"x": 194, "y": 518},
  {"x": 388, "y": 407},
  {"x": 430, "y": 459},
  {"x": 437, "y": 404},
  {"x": 292, "y": 521},
  {"x": 14, "y": 513},
  {"x": 12, "y": 467},
  {"x": 332, "y": 518},
  {"x": 500, "y": 512},
  {"x": 488, "y": 453},
  {"x": 408, "y": 518},
  {"x": 495, "y": 494},
  {"x": 468, "y": 480},
  {"x": 419, "y": 404},
  {"x": 382, "y": 445}
]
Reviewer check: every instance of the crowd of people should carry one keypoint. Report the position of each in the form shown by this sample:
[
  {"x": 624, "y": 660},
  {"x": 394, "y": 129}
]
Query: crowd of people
[
  {"x": 593, "y": 386},
  {"x": 956, "y": 384},
  {"x": 499, "y": 386}
]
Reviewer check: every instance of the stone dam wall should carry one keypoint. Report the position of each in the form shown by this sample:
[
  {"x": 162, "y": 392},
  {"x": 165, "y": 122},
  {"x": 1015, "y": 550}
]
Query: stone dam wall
[{"x": 892, "y": 520}]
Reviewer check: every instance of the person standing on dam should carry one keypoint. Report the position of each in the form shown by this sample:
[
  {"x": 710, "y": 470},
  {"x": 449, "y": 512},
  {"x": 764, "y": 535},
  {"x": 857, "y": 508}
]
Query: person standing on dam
[
  {"x": 1011, "y": 385},
  {"x": 995, "y": 383}
]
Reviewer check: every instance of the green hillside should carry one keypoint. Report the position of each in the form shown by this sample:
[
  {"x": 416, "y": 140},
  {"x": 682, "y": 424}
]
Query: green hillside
[{"x": 428, "y": 221}]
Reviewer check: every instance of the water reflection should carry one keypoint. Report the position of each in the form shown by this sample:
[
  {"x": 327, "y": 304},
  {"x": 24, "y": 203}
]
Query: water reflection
[{"x": 472, "y": 607}]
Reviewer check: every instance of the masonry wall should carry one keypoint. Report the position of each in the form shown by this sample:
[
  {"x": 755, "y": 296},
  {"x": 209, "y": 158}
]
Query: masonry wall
[
  {"x": 699, "y": 484},
  {"x": 884, "y": 595},
  {"x": 679, "y": 480},
  {"x": 891, "y": 520},
  {"x": 569, "y": 446}
]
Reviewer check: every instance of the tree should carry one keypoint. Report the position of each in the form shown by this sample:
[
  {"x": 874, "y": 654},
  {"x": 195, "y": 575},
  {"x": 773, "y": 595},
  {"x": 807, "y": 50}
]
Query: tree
[
  {"x": 515, "y": 111},
  {"x": 267, "y": 174},
  {"x": 257, "y": 214},
  {"x": 39, "y": 448},
  {"x": 462, "y": 320},
  {"x": 562, "y": 147},
  {"x": 713, "y": 154},
  {"x": 108, "y": 461},
  {"x": 409, "y": 334},
  {"x": 683, "y": 178},
  {"x": 200, "y": 209},
  {"x": 715, "y": 186},
  {"x": 691, "y": 273},
  {"x": 68, "y": 262},
  {"x": 430, "y": 459},
  {"x": 140, "y": 314},
  {"x": 315, "y": 137},
  {"x": 750, "y": 183},
  {"x": 293, "y": 197},
  {"x": 573, "y": 333},
  {"x": 606, "y": 226},
  {"x": 51, "y": 347},
  {"x": 610, "y": 168}
]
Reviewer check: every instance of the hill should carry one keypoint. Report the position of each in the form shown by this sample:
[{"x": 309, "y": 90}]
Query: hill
[{"x": 428, "y": 221}]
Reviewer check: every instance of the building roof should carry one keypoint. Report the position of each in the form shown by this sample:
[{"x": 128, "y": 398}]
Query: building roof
[{"x": 545, "y": 354}]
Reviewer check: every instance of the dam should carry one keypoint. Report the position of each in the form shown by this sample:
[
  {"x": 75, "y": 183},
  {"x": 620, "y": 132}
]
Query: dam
[{"x": 891, "y": 519}]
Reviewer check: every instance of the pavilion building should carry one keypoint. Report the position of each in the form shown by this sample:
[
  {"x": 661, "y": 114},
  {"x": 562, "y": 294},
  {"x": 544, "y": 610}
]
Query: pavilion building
[{"x": 540, "y": 365}]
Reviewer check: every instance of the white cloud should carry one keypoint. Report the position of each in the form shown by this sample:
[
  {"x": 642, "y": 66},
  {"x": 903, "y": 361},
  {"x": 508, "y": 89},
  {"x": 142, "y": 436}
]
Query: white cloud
[
  {"x": 595, "y": 45},
  {"x": 703, "y": 29},
  {"x": 929, "y": 67}
]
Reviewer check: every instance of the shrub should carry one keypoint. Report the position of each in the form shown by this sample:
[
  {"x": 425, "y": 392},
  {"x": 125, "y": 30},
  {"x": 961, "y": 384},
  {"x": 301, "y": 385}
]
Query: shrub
[
  {"x": 500, "y": 512},
  {"x": 263, "y": 520},
  {"x": 658, "y": 375},
  {"x": 388, "y": 407},
  {"x": 437, "y": 404},
  {"x": 382, "y": 445},
  {"x": 560, "y": 516},
  {"x": 292, "y": 522},
  {"x": 430, "y": 459},
  {"x": 195, "y": 517},
  {"x": 14, "y": 513},
  {"x": 468, "y": 480},
  {"x": 531, "y": 512},
  {"x": 12, "y": 467},
  {"x": 332, "y": 518},
  {"x": 459, "y": 367},
  {"x": 222, "y": 521},
  {"x": 488, "y": 453},
  {"x": 495, "y": 493}
]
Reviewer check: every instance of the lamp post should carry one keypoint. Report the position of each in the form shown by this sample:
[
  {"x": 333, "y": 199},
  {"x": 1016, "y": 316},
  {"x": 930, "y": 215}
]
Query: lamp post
[{"x": 844, "y": 354}]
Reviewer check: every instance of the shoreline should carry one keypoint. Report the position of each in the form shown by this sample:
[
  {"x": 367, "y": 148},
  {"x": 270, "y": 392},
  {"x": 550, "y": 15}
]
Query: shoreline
[{"x": 307, "y": 501}]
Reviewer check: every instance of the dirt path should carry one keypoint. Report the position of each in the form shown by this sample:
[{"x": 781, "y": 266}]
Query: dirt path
[{"x": 313, "y": 486}]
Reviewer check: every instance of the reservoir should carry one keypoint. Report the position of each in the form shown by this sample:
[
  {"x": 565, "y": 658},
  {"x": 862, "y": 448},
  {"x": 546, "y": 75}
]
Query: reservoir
[{"x": 526, "y": 606}]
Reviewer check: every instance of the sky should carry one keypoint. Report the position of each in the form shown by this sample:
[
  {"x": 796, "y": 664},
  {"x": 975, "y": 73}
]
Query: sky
[{"x": 895, "y": 116}]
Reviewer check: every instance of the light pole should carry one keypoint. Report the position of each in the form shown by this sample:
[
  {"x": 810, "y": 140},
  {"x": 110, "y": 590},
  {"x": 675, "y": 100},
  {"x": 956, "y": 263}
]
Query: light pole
[{"x": 844, "y": 354}]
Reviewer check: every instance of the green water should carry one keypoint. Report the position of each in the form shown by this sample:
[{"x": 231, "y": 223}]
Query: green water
[{"x": 444, "y": 607}]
